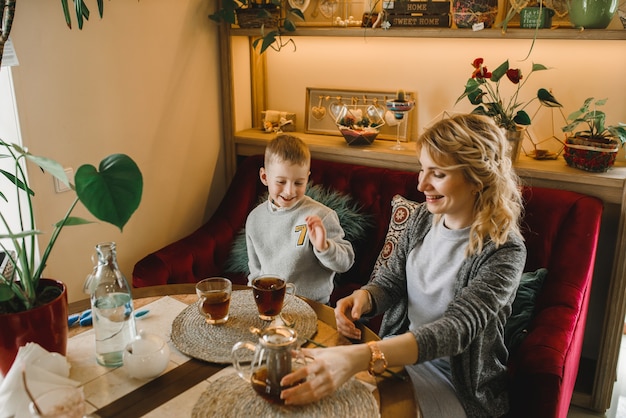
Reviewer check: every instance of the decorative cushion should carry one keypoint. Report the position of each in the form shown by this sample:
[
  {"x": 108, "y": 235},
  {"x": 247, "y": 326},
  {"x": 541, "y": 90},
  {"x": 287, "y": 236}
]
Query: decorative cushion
[
  {"x": 523, "y": 308},
  {"x": 401, "y": 211},
  {"x": 355, "y": 224}
]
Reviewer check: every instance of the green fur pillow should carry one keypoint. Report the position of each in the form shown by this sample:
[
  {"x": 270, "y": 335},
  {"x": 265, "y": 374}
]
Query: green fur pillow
[
  {"x": 523, "y": 308},
  {"x": 355, "y": 224}
]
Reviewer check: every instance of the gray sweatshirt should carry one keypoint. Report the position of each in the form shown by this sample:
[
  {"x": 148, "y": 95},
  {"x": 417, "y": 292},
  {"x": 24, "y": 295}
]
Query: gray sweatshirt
[
  {"x": 471, "y": 331},
  {"x": 278, "y": 243}
]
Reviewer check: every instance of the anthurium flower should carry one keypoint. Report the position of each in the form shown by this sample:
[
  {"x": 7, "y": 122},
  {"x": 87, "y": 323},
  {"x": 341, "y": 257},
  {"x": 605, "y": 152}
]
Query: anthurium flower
[
  {"x": 483, "y": 90},
  {"x": 515, "y": 75}
]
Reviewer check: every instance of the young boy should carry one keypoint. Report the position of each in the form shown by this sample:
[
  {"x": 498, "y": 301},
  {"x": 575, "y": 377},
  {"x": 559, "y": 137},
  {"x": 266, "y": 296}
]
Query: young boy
[{"x": 292, "y": 235}]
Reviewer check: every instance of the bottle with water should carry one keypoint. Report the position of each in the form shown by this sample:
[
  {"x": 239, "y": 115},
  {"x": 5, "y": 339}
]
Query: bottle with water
[{"x": 111, "y": 307}]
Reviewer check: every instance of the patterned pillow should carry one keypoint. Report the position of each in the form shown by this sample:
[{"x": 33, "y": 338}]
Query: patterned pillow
[{"x": 401, "y": 211}]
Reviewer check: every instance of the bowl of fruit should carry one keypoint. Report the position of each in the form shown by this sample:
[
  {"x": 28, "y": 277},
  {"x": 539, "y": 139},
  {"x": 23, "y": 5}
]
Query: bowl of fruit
[{"x": 360, "y": 124}]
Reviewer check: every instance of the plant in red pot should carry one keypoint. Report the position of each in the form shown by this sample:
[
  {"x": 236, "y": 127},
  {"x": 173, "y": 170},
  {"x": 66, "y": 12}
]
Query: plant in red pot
[
  {"x": 594, "y": 147},
  {"x": 32, "y": 308}
]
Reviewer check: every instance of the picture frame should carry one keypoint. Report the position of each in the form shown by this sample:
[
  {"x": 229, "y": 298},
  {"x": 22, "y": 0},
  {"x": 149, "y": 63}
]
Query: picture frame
[{"x": 322, "y": 104}]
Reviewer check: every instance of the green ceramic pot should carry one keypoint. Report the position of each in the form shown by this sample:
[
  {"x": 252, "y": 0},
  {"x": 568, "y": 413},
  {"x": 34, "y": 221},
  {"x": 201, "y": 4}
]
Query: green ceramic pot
[{"x": 592, "y": 14}]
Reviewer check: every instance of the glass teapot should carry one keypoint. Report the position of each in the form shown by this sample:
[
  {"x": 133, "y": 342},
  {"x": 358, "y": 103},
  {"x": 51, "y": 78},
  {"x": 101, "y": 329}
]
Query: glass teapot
[{"x": 271, "y": 362}]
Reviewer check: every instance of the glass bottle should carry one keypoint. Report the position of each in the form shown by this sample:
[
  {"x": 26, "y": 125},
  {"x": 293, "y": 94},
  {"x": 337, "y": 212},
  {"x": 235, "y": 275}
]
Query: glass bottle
[{"x": 111, "y": 307}]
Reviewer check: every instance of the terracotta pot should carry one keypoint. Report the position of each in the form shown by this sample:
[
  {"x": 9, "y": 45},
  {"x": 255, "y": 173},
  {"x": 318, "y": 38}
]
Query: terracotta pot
[
  {"x": 45, "y": 325},
  {"x": 590, "y": 156}
]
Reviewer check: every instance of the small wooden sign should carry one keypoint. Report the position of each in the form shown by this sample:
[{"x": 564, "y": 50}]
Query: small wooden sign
[
  {"x": 420, "y": 21},
  {"x": 423, "y": 7}
]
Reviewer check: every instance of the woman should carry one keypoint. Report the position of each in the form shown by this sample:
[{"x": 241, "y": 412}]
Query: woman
[{"x": 447, "y": 289}]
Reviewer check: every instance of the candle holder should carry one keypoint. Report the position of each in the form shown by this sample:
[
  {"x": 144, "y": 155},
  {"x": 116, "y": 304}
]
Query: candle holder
[{"x": 400, "y": 106}]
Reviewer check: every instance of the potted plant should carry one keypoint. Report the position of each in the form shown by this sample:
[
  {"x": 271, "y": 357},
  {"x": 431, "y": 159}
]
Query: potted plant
[
  {"x": 484, "y": 90},
  {"x": 111, "y": 193},
  {"x": 264, "y": 14},
  {"x": 595, "y": 147}
]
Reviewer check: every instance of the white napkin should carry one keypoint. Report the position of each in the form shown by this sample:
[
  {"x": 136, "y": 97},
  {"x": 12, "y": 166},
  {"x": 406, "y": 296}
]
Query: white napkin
[{"x": 44, "y": 371}]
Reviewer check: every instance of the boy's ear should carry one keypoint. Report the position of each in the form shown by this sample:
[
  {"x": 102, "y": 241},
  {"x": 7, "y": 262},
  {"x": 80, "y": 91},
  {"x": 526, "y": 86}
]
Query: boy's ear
[{"x": 263, "y": 175}]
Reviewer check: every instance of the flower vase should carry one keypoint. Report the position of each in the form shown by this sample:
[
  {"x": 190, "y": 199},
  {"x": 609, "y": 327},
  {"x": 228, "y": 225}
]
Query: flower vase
[
  {"x": 467, "y": 13},
  {"x": 515, "y": 138}
]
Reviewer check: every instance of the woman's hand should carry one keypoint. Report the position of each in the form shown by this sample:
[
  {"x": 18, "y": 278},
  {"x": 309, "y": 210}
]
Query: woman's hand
[
  {"x": 328, "y": 369},
  {"x": 349, "y": 309}
]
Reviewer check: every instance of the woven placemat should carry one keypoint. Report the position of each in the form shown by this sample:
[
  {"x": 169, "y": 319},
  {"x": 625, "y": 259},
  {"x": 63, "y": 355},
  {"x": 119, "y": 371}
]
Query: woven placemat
[
  {"x": 230, "y": 396},
  {"x": 195, "y": 338}
]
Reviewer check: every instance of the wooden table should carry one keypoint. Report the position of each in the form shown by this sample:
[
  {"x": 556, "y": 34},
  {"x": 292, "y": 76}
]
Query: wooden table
[{"x": 396, "y": 395}]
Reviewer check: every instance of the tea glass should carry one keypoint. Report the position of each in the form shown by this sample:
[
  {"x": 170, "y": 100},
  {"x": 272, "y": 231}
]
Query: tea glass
[
  {"x": 269, "y": 295},
  {"x": 60, "y": 402},
  {"x": 214, "y": 299}
]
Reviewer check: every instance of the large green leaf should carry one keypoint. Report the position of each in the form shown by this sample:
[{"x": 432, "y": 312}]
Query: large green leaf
[{"x": 112, "y": 194}]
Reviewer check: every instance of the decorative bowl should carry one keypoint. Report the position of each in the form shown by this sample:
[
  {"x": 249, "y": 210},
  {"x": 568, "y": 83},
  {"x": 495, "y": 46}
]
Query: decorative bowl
[
  {"x": 146, "y": 356},
  {"x": 360, "y": 124}
]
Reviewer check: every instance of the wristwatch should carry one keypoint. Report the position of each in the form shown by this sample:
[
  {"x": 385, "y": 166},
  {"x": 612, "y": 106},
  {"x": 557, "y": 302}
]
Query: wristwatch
[{"x": 378, "y": 362}]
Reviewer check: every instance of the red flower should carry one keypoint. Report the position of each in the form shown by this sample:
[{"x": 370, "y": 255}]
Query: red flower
[
  {"x": 483, "y": 90},
  {"x": 515, "y": 75},
  {"x": 479, "y": 70}
]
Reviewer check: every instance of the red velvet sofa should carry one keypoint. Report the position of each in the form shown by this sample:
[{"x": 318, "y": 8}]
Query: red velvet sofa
[{"x": 560, "y": 227}]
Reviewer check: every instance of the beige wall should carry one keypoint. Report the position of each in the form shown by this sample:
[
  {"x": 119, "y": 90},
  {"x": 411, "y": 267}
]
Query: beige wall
[
  {"x": 142, "y": 81},
  {"x": 437, "y": 70}
]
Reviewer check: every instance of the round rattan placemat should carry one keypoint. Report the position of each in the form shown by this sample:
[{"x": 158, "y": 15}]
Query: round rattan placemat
[
  {"x": 195, "y": 338},
  {"x": 230, "y": 396}
]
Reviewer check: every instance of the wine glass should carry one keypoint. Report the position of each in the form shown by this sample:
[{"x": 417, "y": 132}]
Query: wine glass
[{"x": 399, "y": 106}]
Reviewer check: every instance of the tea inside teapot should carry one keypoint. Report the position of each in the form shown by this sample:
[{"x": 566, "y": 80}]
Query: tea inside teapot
[{"x": 272, "y": 360}]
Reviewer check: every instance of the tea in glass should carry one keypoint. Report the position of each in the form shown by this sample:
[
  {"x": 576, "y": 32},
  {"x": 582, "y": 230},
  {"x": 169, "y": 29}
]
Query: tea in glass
[
  {"x": 214, "y": 303},
  {"x": 269, "y": 295}
]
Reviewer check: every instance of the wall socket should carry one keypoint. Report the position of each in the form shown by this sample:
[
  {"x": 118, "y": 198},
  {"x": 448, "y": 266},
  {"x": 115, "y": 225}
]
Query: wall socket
[{"x": 61, "y": 187}]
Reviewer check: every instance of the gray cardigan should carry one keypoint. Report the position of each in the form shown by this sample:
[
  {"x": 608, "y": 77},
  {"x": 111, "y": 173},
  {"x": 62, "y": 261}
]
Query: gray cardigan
[{"x": 471, "y": 331}]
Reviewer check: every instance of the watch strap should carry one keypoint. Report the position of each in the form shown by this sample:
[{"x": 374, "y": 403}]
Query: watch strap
[{"x": 378, "y": 362}]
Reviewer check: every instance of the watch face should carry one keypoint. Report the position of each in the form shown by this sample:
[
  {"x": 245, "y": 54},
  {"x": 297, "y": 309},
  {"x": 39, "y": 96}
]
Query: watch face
[{"x": 379, "y": 366}]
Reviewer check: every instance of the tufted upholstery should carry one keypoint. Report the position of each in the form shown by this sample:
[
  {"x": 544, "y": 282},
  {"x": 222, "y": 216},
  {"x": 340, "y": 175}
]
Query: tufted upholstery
[{"x": 560, "y": 227}]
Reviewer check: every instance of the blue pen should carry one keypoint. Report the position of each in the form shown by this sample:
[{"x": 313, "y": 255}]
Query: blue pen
[{"x": 142, "y": 313}]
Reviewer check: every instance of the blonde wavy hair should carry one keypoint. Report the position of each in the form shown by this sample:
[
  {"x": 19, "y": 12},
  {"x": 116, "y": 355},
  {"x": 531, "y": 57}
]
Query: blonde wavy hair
[{"x": 478, "y": 147}]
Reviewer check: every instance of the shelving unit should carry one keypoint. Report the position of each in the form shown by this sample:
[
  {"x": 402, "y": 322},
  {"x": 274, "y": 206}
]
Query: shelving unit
[
  {"x": 491, "y": 33},
  {"x": 596, "y": 376}
]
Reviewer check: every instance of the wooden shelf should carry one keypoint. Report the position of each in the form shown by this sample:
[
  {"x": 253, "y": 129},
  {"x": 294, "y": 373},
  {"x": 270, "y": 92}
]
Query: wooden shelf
[
  {"x": 492, "y": 33},
  {"x": 335, "y": 148},
  {"x": 608, "y": 186}
]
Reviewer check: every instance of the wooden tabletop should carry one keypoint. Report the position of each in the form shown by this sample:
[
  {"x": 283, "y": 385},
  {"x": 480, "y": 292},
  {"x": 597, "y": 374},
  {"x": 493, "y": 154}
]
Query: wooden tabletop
[{"x": 395, "y": 395}]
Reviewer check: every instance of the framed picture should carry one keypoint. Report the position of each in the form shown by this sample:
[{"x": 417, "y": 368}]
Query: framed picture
[{"x": 323, "y": 107}]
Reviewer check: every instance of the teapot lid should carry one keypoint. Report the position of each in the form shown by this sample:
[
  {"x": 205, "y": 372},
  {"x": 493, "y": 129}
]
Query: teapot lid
[{"x": 278, "y": 335}]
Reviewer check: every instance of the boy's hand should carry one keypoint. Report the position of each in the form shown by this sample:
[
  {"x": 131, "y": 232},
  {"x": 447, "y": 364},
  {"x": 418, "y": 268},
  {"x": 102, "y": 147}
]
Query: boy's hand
[{"x": 317, "y": 233}]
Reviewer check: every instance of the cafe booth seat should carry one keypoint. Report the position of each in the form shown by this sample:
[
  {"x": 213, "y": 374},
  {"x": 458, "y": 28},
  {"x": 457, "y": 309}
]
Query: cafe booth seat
[{"x": 560, "y": 229}]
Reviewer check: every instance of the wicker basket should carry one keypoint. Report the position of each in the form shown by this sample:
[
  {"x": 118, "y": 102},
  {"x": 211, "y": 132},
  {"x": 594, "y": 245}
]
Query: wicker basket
[
  {"x": 256, "y": 17},
  {"x": 590, "y": 156}
]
